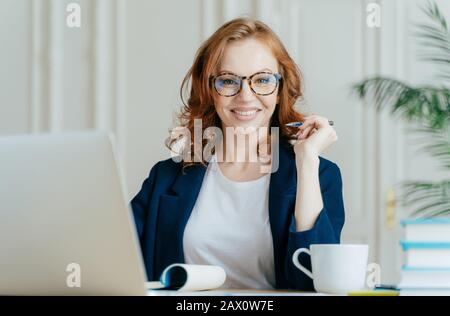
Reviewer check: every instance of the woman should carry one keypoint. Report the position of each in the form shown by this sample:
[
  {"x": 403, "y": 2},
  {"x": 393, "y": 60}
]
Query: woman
[{"x": 228, "y": 212}]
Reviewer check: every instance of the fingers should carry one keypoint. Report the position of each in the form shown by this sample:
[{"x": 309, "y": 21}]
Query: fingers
[
  {"x": 317, "y": 132},
  {"x": 305, "y": 132},
  {"x": 315, "y": 120},
  {"x": 312, "y": 124}
]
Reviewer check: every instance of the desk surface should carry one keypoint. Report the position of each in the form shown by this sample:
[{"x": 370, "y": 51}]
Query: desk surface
[
  {"x": 231, "y": 292},
  {"x": 155, "y": 285},
  {"x": 252, "y": 292},
  {"x": 226, "y": 292}
]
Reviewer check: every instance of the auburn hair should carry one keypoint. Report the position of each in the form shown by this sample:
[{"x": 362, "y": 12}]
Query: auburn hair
[{"x": 196, "y": 90}]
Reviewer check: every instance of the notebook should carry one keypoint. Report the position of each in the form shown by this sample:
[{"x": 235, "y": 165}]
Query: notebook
[{"x": 189, "y": 277}]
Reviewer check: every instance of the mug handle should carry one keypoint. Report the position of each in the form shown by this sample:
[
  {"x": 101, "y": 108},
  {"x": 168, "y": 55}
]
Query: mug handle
[{"x": 297, "y": 263}]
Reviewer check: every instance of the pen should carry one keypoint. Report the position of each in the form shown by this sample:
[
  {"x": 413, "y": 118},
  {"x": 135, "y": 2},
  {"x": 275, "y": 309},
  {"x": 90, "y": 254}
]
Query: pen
[
  {"x": 386, "y": 287},
  {"x": 298, "y": 124}
]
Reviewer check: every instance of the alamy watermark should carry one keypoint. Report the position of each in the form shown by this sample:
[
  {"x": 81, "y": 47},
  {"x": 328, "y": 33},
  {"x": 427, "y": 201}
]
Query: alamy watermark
[
  {"x": 73, "y": 279},
  {"x": 243, "y": 144},
  {"x": 374, "y": 275},
  {"x": 73, "y": 19},
  {"x": 373, "y": 18}
]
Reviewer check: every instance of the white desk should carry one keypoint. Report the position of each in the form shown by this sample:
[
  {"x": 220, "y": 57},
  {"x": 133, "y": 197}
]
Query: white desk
[
  {"x": 233, "y": 293},
  {"x": 227, "y": 292},
  {"x": 252, "y": 292}
]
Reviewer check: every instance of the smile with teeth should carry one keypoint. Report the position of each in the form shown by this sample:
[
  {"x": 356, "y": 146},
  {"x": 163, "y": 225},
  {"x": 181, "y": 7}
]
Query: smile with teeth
[{"x": 246, "y": 113}]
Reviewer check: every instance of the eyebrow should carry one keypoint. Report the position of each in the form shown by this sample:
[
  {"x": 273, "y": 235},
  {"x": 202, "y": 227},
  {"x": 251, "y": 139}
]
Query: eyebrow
[{"x": 262, "y": 70}]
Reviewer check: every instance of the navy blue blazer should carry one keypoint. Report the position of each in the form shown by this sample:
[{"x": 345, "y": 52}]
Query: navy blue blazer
[{"x": 162, "y": 208}]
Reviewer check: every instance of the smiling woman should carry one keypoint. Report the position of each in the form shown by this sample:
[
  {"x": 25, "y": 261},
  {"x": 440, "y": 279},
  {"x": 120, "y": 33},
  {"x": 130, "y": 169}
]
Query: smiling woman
[
  {"x": 230, "y": 213},
  {"x": 253, "y": 76},
  {"x": 257, "y": 99}
]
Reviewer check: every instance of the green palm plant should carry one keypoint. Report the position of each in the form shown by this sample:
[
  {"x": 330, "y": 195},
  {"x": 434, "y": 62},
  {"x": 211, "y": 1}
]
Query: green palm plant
[{"x": 426, "y": 106}]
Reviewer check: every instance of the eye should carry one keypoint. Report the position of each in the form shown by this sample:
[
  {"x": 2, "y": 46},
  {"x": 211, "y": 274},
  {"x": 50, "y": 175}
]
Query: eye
[
  {"x": 263, "y": 80},
  {"x": 227, "y": 82}
]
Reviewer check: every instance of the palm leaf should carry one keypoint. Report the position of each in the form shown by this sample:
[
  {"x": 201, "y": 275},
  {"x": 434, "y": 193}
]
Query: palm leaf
[
  {"x": 428, "y": 106},
  {"x": 429, "y": 198},
  {"x": 436, "y": 142},
  {"x": 435, "y": 37}
]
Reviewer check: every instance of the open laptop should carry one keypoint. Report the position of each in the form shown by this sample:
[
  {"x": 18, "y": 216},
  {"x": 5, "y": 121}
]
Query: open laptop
[{"x": 65, "y": 225}]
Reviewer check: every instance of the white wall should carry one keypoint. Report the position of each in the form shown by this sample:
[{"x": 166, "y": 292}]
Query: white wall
[
  {"x": 14, "y": 67},
  {"x": 162, "y": 38}
]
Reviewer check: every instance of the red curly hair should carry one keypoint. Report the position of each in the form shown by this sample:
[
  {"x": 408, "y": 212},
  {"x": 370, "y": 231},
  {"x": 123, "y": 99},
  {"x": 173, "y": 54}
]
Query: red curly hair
[{"x": 200, "y": 104}]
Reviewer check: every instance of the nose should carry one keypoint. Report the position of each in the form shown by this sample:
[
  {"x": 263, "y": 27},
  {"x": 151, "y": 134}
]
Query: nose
[{"x": 246, "y": 92}]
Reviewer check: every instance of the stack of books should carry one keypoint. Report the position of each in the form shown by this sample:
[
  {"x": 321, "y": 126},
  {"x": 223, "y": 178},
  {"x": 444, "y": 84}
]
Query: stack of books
[{"x": 427, "y": 256}]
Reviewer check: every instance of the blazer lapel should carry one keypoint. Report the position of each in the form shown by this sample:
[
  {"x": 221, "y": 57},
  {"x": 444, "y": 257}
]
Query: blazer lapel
[
  {"x": 282, "y": 193},
  {"x": 173, "y": 214}
]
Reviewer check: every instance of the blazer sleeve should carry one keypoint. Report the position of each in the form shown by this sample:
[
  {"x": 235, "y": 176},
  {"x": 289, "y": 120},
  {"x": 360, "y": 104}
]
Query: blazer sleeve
[
  {"x": 140, "y": 203},
  {"x": 326, "y": 230}
]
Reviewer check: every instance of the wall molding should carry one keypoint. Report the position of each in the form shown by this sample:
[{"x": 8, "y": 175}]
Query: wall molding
[
  {"x": 109, "y": 73},
  {"x": 102, "y": 57},
  {"x": 55, "y": 78},
  {"x": 39, "y": 66},
  {"x": 121, "y": 78}
]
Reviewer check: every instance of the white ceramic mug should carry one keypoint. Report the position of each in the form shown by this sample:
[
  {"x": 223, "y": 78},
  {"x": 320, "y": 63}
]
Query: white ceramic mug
[{"x": 336, "y": 268}]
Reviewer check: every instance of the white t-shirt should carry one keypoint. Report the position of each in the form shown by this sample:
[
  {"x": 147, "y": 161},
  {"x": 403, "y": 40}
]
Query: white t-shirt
[{"x": 229, "y": 227}]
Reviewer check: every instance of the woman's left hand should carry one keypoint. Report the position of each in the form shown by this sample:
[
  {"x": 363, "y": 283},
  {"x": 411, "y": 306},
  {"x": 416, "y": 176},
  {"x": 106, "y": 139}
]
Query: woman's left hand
[{"x": 314, "y": 136}]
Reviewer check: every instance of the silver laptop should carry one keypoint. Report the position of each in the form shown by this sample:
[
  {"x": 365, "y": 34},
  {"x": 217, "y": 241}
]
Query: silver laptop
[{"x": 65, "y": 225}]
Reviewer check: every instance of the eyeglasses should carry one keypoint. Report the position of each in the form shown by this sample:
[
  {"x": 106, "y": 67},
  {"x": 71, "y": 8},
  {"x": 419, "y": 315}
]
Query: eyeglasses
[{"x": 261, "y": 83}]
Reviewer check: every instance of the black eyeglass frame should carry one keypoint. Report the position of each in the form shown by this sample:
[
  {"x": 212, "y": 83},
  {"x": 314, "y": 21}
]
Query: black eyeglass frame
[{"x": 213, "y": 78}]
